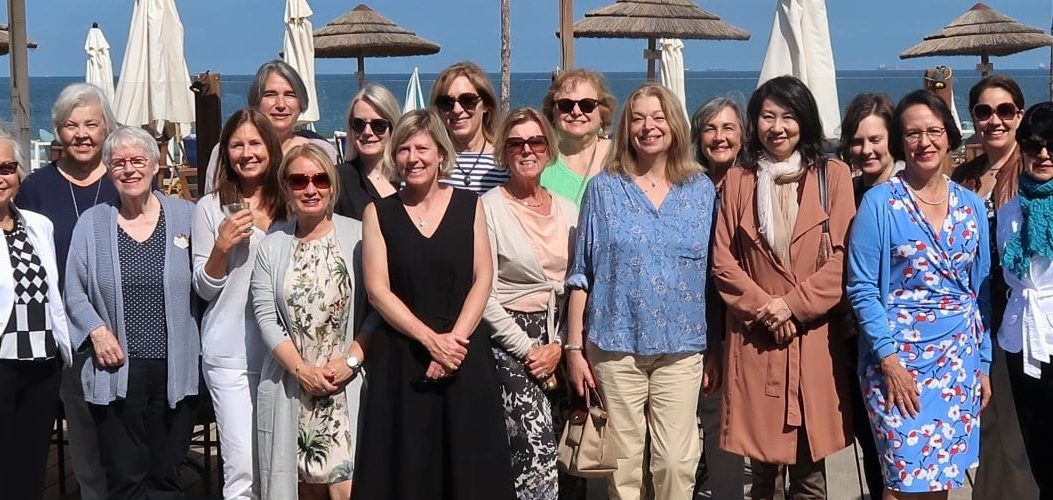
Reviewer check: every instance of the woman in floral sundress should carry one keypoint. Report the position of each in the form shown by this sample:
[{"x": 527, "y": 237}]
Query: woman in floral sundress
[{"x": 918, "y": 266}]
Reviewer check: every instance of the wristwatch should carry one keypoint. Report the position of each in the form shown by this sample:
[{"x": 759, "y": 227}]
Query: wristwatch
[{"x": 354, "y": 364}]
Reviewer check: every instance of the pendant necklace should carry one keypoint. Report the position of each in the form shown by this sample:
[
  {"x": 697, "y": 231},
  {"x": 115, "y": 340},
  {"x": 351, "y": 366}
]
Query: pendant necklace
[
  {"x": 471, "y": 170},
  {"x": 73, "y": 196}
]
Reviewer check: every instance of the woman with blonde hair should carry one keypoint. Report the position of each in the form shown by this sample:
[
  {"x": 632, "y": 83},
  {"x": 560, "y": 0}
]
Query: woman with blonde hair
[
  {"x": 467, "y": 103},
  {"x": 364, "y": 178},
  {"x": 638, "y": 280}
]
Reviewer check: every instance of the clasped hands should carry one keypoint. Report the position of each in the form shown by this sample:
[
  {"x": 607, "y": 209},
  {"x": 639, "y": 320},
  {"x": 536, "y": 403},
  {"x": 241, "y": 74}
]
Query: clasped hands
[
  {"x": 776, "y": 316},
  {"x": 326, "y": 379},
  {"x": 447, "y": 351}
]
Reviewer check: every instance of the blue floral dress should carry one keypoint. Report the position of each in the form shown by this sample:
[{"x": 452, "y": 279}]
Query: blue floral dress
[{"x": 935, "y": 319}]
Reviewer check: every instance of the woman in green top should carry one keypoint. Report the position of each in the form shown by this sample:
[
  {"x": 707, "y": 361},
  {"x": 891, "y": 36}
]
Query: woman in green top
[{"x": 579, "y": 106}]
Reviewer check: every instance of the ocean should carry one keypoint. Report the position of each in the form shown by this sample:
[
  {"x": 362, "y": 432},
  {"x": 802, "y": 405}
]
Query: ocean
[{"x": 335, "y": 91}]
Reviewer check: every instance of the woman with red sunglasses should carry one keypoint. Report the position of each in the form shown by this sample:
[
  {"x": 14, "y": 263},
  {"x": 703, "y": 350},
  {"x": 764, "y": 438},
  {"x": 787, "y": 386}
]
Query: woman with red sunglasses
[{"x": 306, "y": 292}]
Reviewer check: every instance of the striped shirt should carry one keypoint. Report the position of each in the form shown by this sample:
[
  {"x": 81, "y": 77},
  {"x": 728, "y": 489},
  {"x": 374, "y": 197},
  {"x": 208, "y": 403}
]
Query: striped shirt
[{"x": 476, "y": 172}]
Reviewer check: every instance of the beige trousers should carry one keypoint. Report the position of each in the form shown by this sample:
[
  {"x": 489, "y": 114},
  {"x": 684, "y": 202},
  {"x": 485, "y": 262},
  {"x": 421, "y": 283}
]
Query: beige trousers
[{"x": 657, "y": 396}]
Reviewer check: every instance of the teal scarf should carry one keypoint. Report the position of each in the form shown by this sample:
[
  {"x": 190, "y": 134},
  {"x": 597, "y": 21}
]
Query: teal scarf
[{"x": 1035, "y": 236}]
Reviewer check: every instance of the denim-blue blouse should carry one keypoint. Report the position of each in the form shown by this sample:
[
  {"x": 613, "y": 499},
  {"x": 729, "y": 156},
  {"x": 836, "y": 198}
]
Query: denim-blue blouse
[{"x": 645, "y": 270}]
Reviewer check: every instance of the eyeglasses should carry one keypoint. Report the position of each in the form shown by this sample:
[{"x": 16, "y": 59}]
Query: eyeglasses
[
  {"x": 468, "y": 102},
  {"x": 379, "y": 126},
  {"x": 8, "y": 168},
  {"x": 137, "y": 162},
  {"x": 538, "y": 144},
  {"x": 1033, "y": 147},
  {"x": 1005, "y": 111},
  {"x": 299, "y": 182},
  {"x": 586, "y": 105},
  {"x": 914, "y": 136}
]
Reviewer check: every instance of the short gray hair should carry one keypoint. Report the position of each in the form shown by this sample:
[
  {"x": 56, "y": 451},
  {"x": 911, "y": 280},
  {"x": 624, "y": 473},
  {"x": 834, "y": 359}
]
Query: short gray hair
[
  {"x": 81, "y": 94},
  {"x": 131, "y": 136},
  {"x": 259, "y": 83},
  {"x": 705, "y": 113},
  {"x": 16, "y": 146}
]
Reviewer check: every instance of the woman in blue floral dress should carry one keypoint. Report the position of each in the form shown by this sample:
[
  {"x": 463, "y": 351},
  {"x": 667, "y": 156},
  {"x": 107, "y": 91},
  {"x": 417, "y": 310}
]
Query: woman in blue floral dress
[{"x": 918, "y": 266}]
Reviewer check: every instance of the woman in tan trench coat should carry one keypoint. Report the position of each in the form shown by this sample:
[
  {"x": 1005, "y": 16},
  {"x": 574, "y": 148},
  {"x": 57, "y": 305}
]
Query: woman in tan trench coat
[{"x": 786, "y": 393}]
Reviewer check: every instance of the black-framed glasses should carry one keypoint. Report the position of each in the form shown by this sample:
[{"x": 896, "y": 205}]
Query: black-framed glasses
[
  {"x": 468, "y": 102},
  {"x": 1006, "y": 111},
  {"x": 299, "y": 182},
  {"x": 379, "y": 126},
  {"x": 8, "y": 168},
  {"x": 538, "y": 144},
  {"x": 586, "y": 105},
  {"x": 933, "y": 133},
  {"x": 1033, "y": 147},
  {"x": 136, "y": 162}
]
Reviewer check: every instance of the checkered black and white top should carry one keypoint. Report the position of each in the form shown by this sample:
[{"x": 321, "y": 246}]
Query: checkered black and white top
[{"x": 28, "y": 335}]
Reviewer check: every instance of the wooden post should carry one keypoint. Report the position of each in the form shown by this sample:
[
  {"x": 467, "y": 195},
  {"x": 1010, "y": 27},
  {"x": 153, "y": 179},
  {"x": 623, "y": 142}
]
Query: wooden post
[
  {"x": 207, "y": 90},
  {"x": 361, "y": 72},
  {"x": 506, "y": 55},
  {"x": 16, "y": 12},
  {"x": 651, "y": 54},
  {"x": 942, "y": 84},
  {"x": 566, "y": 34},
  {"x": 985, "y": 67}
]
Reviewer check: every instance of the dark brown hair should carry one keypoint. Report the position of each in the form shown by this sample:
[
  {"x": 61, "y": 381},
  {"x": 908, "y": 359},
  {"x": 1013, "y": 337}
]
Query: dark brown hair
[
  {"x": 862, "y": 106},
  {"x": 793, "y": 94},
  {"x": 996, "y": 81},
  {"x": 936, "y": 105},
  {"x": 228, "y": 184}
]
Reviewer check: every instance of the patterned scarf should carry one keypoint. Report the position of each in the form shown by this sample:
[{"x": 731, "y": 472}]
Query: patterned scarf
[{"x": 1036, "y": 226}]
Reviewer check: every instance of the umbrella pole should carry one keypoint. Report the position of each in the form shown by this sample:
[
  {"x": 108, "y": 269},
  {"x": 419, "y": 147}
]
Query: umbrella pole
[
  {"x": 361, "y": 72},
  {"x": 566, "y": 34},
  {"x": 650, "y": 55},
  {"x": 16, "y": 10},
  {"x": 985, "y": 66}
]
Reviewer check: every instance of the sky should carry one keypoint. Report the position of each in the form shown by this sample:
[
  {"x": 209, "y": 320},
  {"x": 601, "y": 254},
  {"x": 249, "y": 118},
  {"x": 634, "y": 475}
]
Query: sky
[{"x": 236, "y": 36}]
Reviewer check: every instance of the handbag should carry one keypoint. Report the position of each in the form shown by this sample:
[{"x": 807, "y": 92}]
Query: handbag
[
  {"x": 585, "y": 449},
  {"x": 840, "y": 318}
]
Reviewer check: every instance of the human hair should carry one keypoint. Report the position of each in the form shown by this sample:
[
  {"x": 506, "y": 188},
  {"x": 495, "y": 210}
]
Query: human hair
[
  {"x": 313, "y": 153},
  {"x": 259, "y": 83},
  {"x": 921, "y": 97},
  {"x": 522, "y": 115},
  {"x": 862, "y": 106},
  {"x": 1000, "y": 82},
  {"x": 679, "y": 165},
  {"x": 482, "y": 85},
  {"x": 133, "y": 137},
  {"x": 793, "y": 94},
  {"x": 1037, "y": 122},
  {"x": 705, "y": 113},
  {"x": 16, "y": 149},
  {"x": 227, "y": 182},
  {"x": 383, "y": 101},
  {"x": 81, "y": 94},
  {"x": 412, "y": 123},
  {"x": 571, "y": 79}
]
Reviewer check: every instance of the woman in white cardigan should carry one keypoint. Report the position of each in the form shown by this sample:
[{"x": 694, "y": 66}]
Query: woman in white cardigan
[{"x": 530, "y": 234}]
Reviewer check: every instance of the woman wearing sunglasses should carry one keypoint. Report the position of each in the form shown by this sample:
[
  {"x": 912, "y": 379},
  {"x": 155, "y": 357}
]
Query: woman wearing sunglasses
[
  {"x": 305, "y": 292},
  {"x": 1026, "y": 247},
  {"x": 433, "y": 425},
  {"x": 579, "y": 105},
  {"x": 365, "y": 179},
  {"x": 229, "y": 224},
  {"x": 530, "y": 234},
  {"x": 465, "y": 98}
]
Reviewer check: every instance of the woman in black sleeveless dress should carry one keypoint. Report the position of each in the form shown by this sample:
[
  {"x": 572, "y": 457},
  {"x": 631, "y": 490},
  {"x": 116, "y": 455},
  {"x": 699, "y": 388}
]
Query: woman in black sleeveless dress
[{"x": 433, "y": 424}]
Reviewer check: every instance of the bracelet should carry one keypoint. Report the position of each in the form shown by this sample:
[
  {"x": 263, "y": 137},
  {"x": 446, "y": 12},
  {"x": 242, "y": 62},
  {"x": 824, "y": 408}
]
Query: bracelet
[{"x": 573, "y": 347}]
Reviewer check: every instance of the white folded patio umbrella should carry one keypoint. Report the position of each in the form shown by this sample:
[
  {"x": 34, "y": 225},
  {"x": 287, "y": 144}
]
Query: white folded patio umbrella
[
  {"x": 99, "y": 69},
  {"x": 671, "y": 71},
  {"x": 800, "y": 46},
  {"x": 299, "y": 51},
  {"x": 154, "y": 86},
  {"x": 414, "y": 94}
]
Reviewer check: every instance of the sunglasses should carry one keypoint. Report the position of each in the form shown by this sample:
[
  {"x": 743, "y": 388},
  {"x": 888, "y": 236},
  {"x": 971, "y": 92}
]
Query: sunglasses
[
  {"x": 1032, "y": 147},
  {"x": 299, "y": 182},
  {"x": 538, "y": 144},
  {"x": 586, "y": 105},
  {"x": 468, "y": 102},
  {"x": 379, "y": 126},
  {"x": 8, "y": 168},
  {"x": 1005, "y": 111}
]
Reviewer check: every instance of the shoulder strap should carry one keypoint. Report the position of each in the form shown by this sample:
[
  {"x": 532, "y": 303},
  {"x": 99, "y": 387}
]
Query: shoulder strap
[{"x": 824, "y": 195}]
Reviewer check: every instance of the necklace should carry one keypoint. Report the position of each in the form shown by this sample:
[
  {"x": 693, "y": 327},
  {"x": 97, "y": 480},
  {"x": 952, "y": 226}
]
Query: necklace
[
  {"x": 420, "y": 222},
  {"x": 917, "y": 195},
  {"x": 76, "y": 209},
  {"x": 524, "y": 201},
  {"x": 471, "y": 170},
  {"x": 651, "y": 181}
]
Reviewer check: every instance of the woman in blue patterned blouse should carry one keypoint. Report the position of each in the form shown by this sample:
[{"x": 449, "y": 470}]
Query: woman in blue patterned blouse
[{"x": 637, "y": 312}]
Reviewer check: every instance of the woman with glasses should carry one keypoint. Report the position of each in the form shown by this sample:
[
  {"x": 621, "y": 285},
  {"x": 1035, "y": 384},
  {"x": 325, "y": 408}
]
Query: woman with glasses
[
  {"x": 131, "y": 305},
  {"x": 305, "y": 292},
  {"x": 917, "y": 272},
  {"x": 1026, "y": 247},
  {"x": 465, "y": 98},
  {"x": 530, "y": 233},
  {"x": 365, "y": 178},
  {"x": 579, "y": 106}
]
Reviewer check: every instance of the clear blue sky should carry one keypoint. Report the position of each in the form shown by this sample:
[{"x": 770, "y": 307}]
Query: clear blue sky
[{"x": 235, "y": 36}]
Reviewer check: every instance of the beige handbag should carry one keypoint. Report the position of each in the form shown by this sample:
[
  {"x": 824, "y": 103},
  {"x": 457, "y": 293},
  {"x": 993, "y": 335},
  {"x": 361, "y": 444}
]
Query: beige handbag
[{"x": 586, "y": 450}]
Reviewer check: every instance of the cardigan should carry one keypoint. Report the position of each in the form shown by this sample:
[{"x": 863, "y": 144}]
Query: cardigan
[
  {"x": 40, "y": 233},
  {"x": 94, "y": 299},
  {"x": 518, "y": 272},
  {"x": 278, "y": 396}
]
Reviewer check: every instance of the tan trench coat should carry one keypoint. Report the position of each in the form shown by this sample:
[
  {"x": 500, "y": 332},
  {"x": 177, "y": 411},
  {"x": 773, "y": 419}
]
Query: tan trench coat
[{"x": 770, "y": 390}]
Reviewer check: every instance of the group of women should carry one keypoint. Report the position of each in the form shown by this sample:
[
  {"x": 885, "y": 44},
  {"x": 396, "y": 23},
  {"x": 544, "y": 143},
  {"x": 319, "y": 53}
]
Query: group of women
[{"x": 411, "y": 321}]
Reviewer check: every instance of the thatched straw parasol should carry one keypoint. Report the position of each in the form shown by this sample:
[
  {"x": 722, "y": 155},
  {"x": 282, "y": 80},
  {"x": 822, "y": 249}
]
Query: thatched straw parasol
[
  {"x": 5, "y": 40},
  {"x": 654, "y": 19},
  {"x": 983, "y": 32},
  {"x": 364, "y": 33}
]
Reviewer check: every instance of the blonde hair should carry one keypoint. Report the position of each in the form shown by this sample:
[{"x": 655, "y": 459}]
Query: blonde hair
[
  {"x": 386, "y": 105},
  {"x": 522, "y": 115},
  {"x": 412, "y": 123},
  {"x": 319, "y": 157},
  {"x": 482, "y": 85},
  {"x": 571, "y": 79},
  {"x": 680, "y": 165}
]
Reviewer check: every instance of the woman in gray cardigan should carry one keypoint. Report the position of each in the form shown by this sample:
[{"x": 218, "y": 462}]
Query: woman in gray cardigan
[
  {"x": 130, "y": 304},
  {"x": 305, "y": 292}
]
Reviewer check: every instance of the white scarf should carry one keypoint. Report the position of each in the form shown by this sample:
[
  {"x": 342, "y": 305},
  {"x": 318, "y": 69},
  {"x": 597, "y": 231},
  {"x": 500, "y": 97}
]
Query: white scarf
[{"x": 775, "y": 224}]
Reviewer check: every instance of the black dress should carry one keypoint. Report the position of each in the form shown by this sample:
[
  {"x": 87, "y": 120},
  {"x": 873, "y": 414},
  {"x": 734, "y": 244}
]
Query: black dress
[
  {"x": 431, "y": 439},
  {"x": 356, "y": 190}
]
